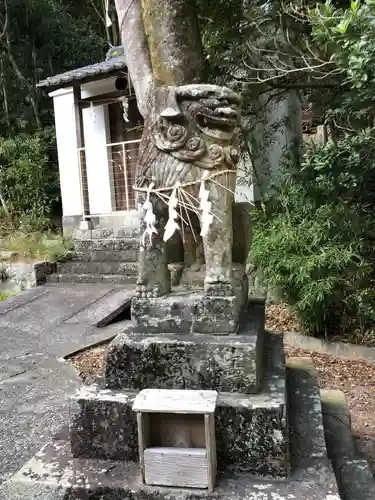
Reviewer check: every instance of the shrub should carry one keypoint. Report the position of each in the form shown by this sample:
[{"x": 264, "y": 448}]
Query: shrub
[
  {"x": 5, "y": 295},
  {"x": 314, "y": 239},
  {"x": 29, "y": 185},
  {"x": 61, "y": 251},
  {"x": 4, "y": 271},
  {"x": 38, "y": 246}
]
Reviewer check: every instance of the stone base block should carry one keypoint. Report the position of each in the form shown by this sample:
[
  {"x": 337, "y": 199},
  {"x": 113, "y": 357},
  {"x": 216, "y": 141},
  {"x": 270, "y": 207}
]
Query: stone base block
[
  {"x": 229, "y": 363},
  {"x": 102, "y": 424},
  {"x": 187, "y": 312},
  {"x": 251, "y": 434},
  {"x": 195, "y": 279},
  {"x": 86, "y": 225},
  {"x": 42, "y": 270},
  {"x": 251, "y": 431}
]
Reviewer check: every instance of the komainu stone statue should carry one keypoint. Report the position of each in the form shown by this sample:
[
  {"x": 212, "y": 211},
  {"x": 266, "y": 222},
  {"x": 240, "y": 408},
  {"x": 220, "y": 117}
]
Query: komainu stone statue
[{"x": 186, "y": 180}]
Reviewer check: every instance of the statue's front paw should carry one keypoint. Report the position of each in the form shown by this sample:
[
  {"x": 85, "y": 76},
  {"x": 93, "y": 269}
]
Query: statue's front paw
[{"x": 145, "y": 291}]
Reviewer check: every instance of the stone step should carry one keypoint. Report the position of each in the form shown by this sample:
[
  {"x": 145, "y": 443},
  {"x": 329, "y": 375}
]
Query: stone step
[
  {"x": 353, "y": 473},
  {"x": 104, "y": 310},
  {"x": 111, "y": 244},
  {"x": 108, "y": 233},
  {"x": 130, "y": 255},
  {"x": 305, "y": 411},
  {"x": 96, "y": 267},
  {"x": 336, "y": 417},
  {"x": 91, "y": 278},
  {"x": 307, "y": 444}
]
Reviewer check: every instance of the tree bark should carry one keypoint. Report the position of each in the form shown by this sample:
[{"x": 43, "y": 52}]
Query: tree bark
[
  {"x": 136, "y": 51},
  {"x": 162, "y": 44},
  {"x": 174, "y": 42}
]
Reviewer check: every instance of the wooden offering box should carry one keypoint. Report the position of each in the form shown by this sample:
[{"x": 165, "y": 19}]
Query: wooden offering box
[{"x": 176, "y": 434}]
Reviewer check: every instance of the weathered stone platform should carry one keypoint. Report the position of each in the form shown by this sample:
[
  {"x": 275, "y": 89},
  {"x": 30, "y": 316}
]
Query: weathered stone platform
[
  {"x": 188, "y": 311},
  {"x": 224, "y": 363},
  {"x": 251, "y": 429},
  {"x": 55, "y": 475}
]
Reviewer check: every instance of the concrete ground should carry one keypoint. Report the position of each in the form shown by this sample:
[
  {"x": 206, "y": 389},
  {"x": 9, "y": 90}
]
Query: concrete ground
[{"x": 37, "y": 329}]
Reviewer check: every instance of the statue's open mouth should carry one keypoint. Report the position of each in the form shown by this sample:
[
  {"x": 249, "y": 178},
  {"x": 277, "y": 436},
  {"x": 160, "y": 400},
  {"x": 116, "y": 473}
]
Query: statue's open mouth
[
  {"x": 219, "y": 122},
  {"x": 213, "y": 108}
]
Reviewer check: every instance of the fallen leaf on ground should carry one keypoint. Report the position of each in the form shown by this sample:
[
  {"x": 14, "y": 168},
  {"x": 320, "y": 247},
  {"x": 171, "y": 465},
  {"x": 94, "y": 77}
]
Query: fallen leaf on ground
[{"x": 356, "y": 379}]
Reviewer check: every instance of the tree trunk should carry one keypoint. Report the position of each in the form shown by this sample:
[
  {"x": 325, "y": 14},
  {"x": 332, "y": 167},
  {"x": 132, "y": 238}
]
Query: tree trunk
[
  {"x": 5, "y": 94},
  {"x": 31, "y": 88},
  {"x": 136, "y": 51},
  {"x": 162, "y": 44},
  {"x": 174, "y": 41}
]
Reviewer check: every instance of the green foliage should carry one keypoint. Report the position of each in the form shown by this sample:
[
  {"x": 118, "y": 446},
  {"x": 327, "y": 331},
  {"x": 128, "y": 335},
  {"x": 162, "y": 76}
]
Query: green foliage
[
  {"x": 29, "y": 185},
  {"x": 348, "y": 35},
  {"x": 5, "y": 295},
  {"x": 223, "y": 26},
  {"x": 42, "y": 38},
  {"x": 314, "y": 241},
  {"x": 37, "y": 246},
  {"x": 39, "y": 38},
  {"x": 61, "y": 251},
  {"x": 4, "y": 271}
]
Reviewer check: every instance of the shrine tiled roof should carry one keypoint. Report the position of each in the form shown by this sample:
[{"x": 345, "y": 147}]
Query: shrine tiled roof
[{"x": 112, "y": 64}]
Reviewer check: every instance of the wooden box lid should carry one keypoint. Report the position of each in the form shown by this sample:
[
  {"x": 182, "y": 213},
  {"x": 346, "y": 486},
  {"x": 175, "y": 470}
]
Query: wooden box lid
[{"x": 175, "y": 401}]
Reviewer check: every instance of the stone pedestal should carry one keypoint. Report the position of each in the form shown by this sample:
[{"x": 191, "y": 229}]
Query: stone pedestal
[
  {"x": 250, "y": 418},
  {"x": 229, "y": 352},
  {"x": 186, "y": 340},
  {"x": 246, "y": 368},
  {"x": 253, "y": 441},
  {"x": 188, "y": 311},
  {"x": 201, "y": 362}
]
